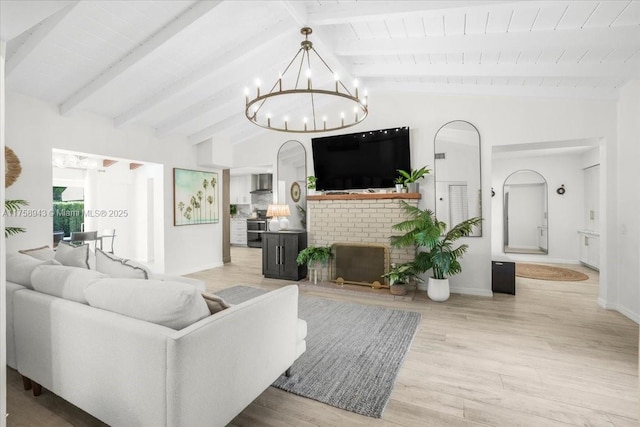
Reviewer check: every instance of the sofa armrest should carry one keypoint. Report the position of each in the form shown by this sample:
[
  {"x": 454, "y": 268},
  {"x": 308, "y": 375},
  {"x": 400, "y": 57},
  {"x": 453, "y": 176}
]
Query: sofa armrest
[
  {"x": 109, "y": 365},
  {"x": 219, "y": 365}
]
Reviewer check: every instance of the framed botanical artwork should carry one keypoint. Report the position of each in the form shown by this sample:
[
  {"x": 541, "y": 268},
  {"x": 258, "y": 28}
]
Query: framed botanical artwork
[{"x": 195, "y": 197}]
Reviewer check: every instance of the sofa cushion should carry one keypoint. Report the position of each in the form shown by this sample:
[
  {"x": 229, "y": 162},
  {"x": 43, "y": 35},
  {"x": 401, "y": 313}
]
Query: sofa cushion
[
  {"x": 44, "y": 253},
  {"x": 73, "y": 256},
  {"x": 119, "y": 267},
  {"x": 171, "y": 304},
  {"x": 197, "y": 283},
  {"x": 214, "y": 302},
  {"x": 20, "y": 267},
  {"x": 63, "y": 281}
]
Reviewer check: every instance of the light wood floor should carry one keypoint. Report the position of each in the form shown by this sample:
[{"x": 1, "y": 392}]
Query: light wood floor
[{"x": 546, "y": 357}]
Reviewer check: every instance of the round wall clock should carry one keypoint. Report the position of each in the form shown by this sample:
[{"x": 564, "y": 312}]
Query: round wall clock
[{"x": 295, "y": 192}]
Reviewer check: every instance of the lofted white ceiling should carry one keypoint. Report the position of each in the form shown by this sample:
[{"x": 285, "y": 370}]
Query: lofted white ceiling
[{"x": 180, "y": 67}]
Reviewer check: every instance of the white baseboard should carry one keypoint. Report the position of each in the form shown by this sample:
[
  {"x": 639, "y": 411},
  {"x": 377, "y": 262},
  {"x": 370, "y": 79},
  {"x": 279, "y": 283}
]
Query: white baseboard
[{"x": 620, "y": 309}]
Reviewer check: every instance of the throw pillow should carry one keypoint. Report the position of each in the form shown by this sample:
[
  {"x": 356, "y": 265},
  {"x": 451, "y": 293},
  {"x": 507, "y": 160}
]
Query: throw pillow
[
  {"x": 214, "y": 302},
  {"x": 73, "y": 256},
  {"x": 171, "y": 304},
  {"x": 64, "y": 282},
  {"x": 44, "y": 253},
  {"x": 119, "y": 267},
  {"x": 20, "y": 267}
]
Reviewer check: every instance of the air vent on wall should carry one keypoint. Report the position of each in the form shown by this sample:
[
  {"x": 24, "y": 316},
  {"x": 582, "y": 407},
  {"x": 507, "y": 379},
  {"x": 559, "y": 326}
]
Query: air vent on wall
[{"x": 441, "y": 156}]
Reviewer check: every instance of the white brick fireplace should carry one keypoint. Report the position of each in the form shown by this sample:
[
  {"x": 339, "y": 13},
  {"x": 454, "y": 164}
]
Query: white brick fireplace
[{"x": 358, "y": 218}]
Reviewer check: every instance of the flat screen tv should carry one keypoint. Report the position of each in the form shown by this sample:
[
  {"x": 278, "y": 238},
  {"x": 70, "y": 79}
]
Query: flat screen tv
[{"x": 360, "y": 160}]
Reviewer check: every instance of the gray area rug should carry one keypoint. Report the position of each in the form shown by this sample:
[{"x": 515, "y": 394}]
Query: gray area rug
[{"x": 354, "y": 351}]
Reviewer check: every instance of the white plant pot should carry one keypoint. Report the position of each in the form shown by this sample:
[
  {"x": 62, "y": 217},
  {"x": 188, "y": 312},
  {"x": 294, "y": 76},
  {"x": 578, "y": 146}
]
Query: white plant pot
[
  {"x": 438, "y": 289},
  {"x": 413, "y": 187},
  {"x": 399, "y": 188}
]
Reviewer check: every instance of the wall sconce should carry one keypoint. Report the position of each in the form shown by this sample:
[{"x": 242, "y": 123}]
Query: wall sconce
[{"x": 561, "y": 190}]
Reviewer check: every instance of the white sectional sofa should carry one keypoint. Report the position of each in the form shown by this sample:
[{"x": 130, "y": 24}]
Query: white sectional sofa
[{"x": 131, "y": 372}]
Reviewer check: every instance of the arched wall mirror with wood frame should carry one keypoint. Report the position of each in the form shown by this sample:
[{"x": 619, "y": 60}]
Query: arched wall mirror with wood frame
[
  {"x": 525, "y": 216},
  {"x": 291, "y": 182},
  {"x": 457, "y": 174}
]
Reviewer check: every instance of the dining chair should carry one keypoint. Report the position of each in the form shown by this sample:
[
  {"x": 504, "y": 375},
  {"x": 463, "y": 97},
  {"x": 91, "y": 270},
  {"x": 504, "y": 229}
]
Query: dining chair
[
  {"x": 108, "y": 233},
  {"x": 84, "y": 236}
]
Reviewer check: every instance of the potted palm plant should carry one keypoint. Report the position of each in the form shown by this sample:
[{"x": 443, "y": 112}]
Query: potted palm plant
[
  {"x": 423, "y": 230},
  {"x": 316, "y": 257},
  {"x": 411, "y": 178},
  {"x": 399, "y": 276}
]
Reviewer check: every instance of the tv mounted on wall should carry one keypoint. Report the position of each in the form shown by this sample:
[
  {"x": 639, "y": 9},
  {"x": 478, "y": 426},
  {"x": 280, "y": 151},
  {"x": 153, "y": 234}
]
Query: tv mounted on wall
[{"x": 360, "y": 160}]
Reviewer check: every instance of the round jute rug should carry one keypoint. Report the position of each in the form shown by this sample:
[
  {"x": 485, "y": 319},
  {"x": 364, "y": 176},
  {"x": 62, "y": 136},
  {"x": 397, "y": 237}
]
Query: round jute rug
[{"x": 548, "y": 272}]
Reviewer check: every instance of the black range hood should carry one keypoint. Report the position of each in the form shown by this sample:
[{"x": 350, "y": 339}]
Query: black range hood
[{"x": 261, "y": 183}]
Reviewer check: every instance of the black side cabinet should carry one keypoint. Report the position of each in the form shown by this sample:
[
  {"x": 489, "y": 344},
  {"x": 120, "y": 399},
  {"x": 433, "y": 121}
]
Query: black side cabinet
[
  {"x": 279, "y": 252},
  {"x": 503, "y": 277}
]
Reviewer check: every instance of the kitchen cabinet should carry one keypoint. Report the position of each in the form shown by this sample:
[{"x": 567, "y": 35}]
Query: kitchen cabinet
[
  {"x": 238, "y": 234},
  {"x": 590, "y": 249},
  {"x": 240, "y": 189},
  {"x": 279, "y": 252}
]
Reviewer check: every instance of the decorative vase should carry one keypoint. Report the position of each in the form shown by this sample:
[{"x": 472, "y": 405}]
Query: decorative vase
[
  {"x": 398, "y": 289},
  {"x": 399, "y": 188},
  {"x": 413, "y": 187},
  {"x": 438, "y": 289}
]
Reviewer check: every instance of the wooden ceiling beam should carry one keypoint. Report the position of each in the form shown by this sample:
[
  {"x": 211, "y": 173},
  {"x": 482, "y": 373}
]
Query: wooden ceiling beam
[
  {"x": 235, "y": 57},
  {"x": 629, "y": 70},
  {"x": 134, "y": 166},
  {"x": 586, "y": 38},
  {"x": 108, "y": 162},
  {"x": 19, "y": 48},
  {"x": 159, "y": 38}
]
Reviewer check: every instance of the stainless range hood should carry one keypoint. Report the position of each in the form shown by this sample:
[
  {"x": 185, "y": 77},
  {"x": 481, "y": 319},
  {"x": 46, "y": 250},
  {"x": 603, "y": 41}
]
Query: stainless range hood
[{"x": 261, "y": 183}]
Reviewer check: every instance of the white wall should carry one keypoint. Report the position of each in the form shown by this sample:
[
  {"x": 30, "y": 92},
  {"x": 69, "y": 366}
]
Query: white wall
[
  {"x": 34, "y": 128},
  {"x": 565, "y": 213},
  {"x": 627, "y": 296},
  {"x": 3, "y": 270},
  {"x": 500, "y": 121}
]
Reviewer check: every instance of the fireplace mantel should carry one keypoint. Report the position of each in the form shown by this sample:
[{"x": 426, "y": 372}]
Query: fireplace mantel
[{"x": 364, "y": 196}]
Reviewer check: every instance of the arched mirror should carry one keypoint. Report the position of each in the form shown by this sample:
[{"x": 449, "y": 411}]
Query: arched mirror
[
  {"x": 292, "y": 176},
  {"x": 525, "y": 213},
  {"x": 457, "y": 174}
]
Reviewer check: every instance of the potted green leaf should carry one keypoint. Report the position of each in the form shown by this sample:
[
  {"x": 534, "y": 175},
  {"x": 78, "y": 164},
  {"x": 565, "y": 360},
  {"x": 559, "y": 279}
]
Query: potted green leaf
[
  {"x": 315, "y": 257},
  {"x": 399, "y": 181},
  {"x": 11, "y": 207},
  {"x": 411, "y": 178},
  {"x": 399, "y": 276},
  {"x": 423, "y": 230},
  {"x": 311, "y": 184}
]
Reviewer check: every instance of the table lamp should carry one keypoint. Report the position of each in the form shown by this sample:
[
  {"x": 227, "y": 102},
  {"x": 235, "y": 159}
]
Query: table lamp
[{"x": 275, "y": 211}]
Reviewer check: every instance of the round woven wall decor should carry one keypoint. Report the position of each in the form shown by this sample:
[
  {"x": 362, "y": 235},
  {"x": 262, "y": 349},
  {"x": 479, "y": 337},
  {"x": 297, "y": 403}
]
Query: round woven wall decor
[{"x": 12, "y": 167}]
